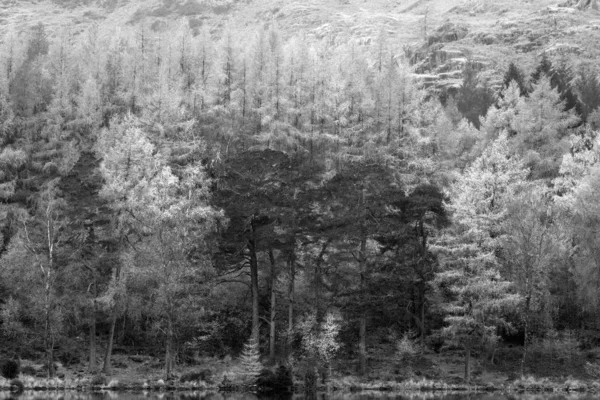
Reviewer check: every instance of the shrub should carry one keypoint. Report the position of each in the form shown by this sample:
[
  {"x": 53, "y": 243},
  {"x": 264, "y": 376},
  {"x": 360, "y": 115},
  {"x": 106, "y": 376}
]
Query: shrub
[
  {"x": 275, "y": 382},
  {"x": 16, "y": 386},
  {"x": 197, "y": 375},
  {"x": 98, "y": 380},
  {"x": 265, "y": 383},
  {"x": 561, "y": 348},
  {"x": 250, "y": 365},
  {"x": 592, "y": 369},
  {"x": 407, "y": 348},
  {"x": 28, "y": 370},
  {"x": 284, "y": 382},
  {"x": 10, "y": 369}
]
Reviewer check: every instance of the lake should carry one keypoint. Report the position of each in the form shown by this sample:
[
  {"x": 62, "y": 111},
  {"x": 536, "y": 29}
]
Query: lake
[{"x": 71, "y": 395}]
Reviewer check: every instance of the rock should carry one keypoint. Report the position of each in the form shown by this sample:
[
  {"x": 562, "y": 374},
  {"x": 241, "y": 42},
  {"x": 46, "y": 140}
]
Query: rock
[
  {"x": 485, "y": 38},
  {"x": 449, "y": 32},
  {"x": 556, "y": 10},
  {"x": 583, "y": 4},
  {"x": 526, "y": 47},
  {"x": 563, "y": 49}
]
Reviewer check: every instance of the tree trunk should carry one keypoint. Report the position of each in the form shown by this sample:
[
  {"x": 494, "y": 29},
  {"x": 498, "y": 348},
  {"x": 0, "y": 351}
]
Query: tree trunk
[
  {"x": 525, "y": 335},
  {"x": 254, "y": 286},
  {"x": 468, "y": 365},
  {"x": 169, "y": 349},
  {"x": 318, "y": 281},
  {"x": 362, "y": 267},
  {"x": 422, "y": 312},
  {"x": 48, "y": 328},
  {"x": 273, "y": 305},
  {"x": 113, "y": 323},
  {"x": 291, "y": 288},
  {"x": 362, "y": 345},
  {"x": 111, "y": 335},
  {"x": 92, "y": 361},
  {"x": 422, "y": 286}
]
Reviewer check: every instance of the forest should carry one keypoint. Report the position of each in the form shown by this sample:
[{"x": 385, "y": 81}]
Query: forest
[{"x": 181, "y": 195}]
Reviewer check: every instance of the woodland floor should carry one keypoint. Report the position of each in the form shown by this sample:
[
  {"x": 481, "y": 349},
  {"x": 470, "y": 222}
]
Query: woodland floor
[{"x": 131, "y": 371}]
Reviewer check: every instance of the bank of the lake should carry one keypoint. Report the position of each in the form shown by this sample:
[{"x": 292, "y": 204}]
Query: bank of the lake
[
  {"x": 427, "y": 372},
  {"x": 349, "y": 384}
]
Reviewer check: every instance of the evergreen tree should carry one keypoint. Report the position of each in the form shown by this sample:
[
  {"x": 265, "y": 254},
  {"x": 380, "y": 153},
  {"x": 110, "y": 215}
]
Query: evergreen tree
[
  {"x": 541, "y": 126},
  {"x": 169, "y": 212},
  {"x": 513, "y": 73},
  {"x": 250, "y": 365},
  {"x": 587, "y": 86},
  {"x": 474, "y": 96},
  {"x": 477, "y": 298}
]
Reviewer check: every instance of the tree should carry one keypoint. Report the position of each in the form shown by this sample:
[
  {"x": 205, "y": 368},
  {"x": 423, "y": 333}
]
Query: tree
[
  {"x": 575, "y": 190},
  {"x": 587, "y": 87},
  {"x": 513, "y": 73},
  {"x": 355, "y": 207},
  {"x": 474, "y": 96},
  {"x": 541, "y": 126},
  {"x": 530, "y": 251},
  {"x": 31, "y": 88},
  {"x": 476, "y": 297},
  {"x": 169, "y": 219},
  {"x": 38, "y": 251},
  {"x": 265, "y": 178},
  {"x": 319, "y": 345}
]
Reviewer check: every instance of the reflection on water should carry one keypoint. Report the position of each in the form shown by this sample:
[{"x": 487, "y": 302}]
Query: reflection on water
[{"x": 71, "y": 395}]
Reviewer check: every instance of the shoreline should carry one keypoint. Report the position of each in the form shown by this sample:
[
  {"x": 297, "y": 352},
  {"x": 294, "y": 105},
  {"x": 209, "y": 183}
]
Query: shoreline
[{"x": 527, "y": 385}]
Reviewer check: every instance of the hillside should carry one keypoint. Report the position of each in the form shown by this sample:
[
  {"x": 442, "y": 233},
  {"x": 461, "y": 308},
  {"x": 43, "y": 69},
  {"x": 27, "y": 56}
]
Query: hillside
[{"x": 437, "y": 35}]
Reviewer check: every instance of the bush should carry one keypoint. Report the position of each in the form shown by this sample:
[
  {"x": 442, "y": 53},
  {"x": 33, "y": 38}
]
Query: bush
[
  {"x": 562, "y": 348},
  {"x": 275, "y": 382},
  {"x": 10, "y": 369},
  {"x": 285, "y": 382},
  {"x": 265, "y": 383},
  {"x": 98, "y": 380},
  {"x": 407, "y": 348},
  {"x": 16, "y": 386},
  {"x": 198, "y": 375},
  {"x": 28, "y": 370}
]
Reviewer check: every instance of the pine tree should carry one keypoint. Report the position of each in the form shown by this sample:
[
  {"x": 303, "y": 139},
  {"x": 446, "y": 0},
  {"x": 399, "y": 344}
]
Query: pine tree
[
  {"x": 250, "y": 365},
  {"x": 513, "y": 73},
  {"x": 167, "y": 208},
  {"x": 474, "y": 96},
  {"x": 587, "y": 86},
  {"x": 476, "y": 297},
  {"x": 541, "y": 125}
]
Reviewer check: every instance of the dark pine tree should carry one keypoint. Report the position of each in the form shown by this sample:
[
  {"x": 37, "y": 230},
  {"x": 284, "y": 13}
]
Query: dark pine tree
[
  {"x": 587, "y": 87},
  {"x": 514, "y": 73},
  {"x": 474, "y": 97},
  {"x": 561, "y": 79}
]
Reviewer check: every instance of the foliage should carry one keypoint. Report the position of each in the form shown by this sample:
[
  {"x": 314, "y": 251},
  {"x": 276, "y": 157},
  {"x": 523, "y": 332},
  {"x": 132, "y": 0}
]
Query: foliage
[
  {"x": 319, "y": 341},
  {"x": 407, "y": 348},
  {"x": 9, "y": 369},
  {"x": 541, "y": 125},
  {"x": 474, "y": 96},
  {"x": 513, "y": 73},
  {"x": 278, "y": 381},
  {"x": 250, "y": 366},
  {"x": 476, "y": 299},
  {"x": 329, "y": 164}
]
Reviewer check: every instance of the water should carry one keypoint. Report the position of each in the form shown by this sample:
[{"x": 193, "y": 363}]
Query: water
[{"x": 71, "y": 395}]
